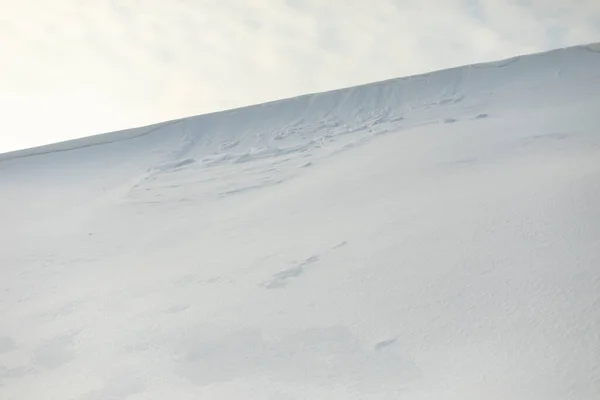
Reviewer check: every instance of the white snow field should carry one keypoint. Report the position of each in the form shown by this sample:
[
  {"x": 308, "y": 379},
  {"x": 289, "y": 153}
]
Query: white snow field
[{"x": 430, "y": 237}]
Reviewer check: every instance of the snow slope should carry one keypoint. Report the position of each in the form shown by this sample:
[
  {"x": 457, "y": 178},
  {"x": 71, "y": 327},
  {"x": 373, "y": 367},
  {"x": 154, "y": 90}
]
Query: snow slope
[{"x": 430, "y": 237}]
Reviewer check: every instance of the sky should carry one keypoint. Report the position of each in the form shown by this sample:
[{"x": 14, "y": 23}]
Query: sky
[{"x": 73, "y": 68}]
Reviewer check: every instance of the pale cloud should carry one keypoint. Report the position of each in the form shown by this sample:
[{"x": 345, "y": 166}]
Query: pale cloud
[{"x": 73, "y": 67}]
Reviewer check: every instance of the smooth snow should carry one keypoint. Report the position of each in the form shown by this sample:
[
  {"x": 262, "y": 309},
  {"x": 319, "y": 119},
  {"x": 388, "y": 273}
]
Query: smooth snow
[{"x": 430, "y": 237}]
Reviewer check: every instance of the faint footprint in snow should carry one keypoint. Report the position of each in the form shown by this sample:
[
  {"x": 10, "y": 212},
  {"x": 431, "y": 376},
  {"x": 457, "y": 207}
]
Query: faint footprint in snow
[
  {"x": 279, "y": 279},
  {"x": 192, "y": 279},
  {"x": 341, "y": 244},
  {"x": 290, "y": 273},
  {"x": 386, "y": 343},
  {"x": 450, "y": 120},
  {"x": 176, "y": 309}
]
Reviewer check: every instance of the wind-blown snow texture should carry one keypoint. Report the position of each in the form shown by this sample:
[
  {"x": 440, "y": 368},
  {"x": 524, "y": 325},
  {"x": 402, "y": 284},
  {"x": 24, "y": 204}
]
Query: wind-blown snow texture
[{"x": 431, "y": 237}]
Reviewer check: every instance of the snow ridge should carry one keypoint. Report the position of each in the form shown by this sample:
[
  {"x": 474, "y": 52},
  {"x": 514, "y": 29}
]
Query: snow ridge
[{"x": 346, "y": 110}]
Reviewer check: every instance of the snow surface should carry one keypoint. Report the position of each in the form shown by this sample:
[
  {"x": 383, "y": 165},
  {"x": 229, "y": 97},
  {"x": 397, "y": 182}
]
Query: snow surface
[{"x": 431, "y": 237}]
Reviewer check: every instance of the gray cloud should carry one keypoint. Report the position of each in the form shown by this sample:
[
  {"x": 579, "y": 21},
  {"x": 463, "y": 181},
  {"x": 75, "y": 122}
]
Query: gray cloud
[{"x": 87, "y": 67}]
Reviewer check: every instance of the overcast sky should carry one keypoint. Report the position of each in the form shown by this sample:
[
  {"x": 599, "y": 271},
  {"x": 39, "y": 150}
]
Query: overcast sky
[{"x": 72, "y": 68}]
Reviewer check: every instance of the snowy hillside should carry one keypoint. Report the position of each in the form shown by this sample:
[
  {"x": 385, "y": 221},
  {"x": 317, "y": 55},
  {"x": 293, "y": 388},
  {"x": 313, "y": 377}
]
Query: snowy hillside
[{"x": 430, "y": 237}]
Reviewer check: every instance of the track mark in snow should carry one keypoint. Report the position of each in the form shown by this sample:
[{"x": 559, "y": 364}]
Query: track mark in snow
[
  {"x": 176, "y": 309},
  {"x": 268, "y": 152},
  {"x": 279, "y": 280},
  {"x": 341, "y": 244},
  {"x": 281, "y": 162},
  {"x": 481, "y": 116},
  {"x": 229, "y": 145},
  {"x": 195, "y": 280},
  {"x": 215, "y": 159},
  {"x": 290, "y": 273},
  {"x": 380, "y": 132},
  {"x": 450, "y": 120},
  {"x": 386, "y": 343},
  {"x": 549, "y": 137},
  {"x": 280, "y": 135},
  {"x": 361, "y": 141},
  {"x": 266, "y": 183},
  {"x": 175, "y": 165},
  {"x": 451, "y": 100}
]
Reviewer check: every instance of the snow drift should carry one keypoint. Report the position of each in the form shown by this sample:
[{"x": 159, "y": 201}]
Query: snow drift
[{"x": 430, "y": 237}]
